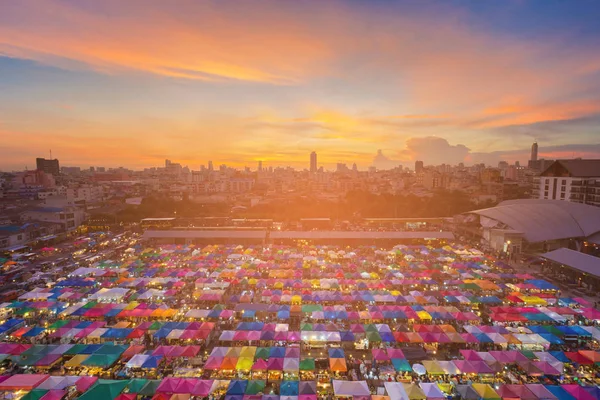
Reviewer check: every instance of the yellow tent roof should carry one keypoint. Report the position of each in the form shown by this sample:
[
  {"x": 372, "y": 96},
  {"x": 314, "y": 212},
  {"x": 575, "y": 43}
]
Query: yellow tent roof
[
  {"x": 76, "y": 360},
  {"x": 414, "y": 392},
  {"x": 485, "y": 391},
  {"x": 244, "y": 363},
  {"x": 248, "y": 351},
  {"x": 433, "y": 367},
  {"x": 423, "y": 315}
]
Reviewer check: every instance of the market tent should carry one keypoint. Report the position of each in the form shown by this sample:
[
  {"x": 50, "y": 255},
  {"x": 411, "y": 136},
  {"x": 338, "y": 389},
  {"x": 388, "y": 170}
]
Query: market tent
[
  {"x": 467, "y": 392},
  {"x": 338, "y": 364},
  {"x": 396, "y": 391},
  {"x": 578, "y": 392},
  {"x": 85, "y": 382},
  {"x": 203, "y": 388},
  {"x": 485, "y": 391},
  {"x": 104, "y": 389},
  {"x": 307, "y": 388},
  {"x": 351, "y": 388},
  {"x": 307, "y": 364},
  {"x": 254, "y": 387},
  {"x": 136, "y": 384},
  {"x": 150, "y": 388},
  {"x": 58, "y": 382},
  {"x": 289, "y": 388},
  {"x": 521, "y": 392},
  {"x": 22, "y": 381}
]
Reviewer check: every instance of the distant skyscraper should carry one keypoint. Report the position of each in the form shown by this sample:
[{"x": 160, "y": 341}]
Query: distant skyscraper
[
  {"x": 534, "y": 151},
  {"x": 260, "y": 166},
  {"x": 313, "y": 162},
  {"x": 418, "y": 167},
  {"x": 354, "y": 167},
  {"x": 47, "y": 166},
  {"x": 210, "y": 166}
]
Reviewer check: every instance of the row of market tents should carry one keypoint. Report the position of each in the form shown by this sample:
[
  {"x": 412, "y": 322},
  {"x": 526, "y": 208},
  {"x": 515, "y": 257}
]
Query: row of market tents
[{"x": 90, "y": 388}]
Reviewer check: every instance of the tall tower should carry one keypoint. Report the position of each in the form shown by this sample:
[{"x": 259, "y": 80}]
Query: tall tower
[
  {"x": 313, "y": 162},
  {"x": 260, "y": 166},
  {"x": 534, "y": 151}
]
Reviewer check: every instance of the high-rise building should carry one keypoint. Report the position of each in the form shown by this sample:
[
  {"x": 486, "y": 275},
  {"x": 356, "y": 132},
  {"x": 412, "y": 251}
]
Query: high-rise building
[
  {"x": 260, "y": 166},
  {"x": 354, "y": 167},
  {"x": 47, "y": 166},
  {"x": 419, "y": 167},
  {"x": 534, "y": 151},
  {"x": 210, "y": 166},
  {"x": 313, "y": 162},
  {"x": 575, "y": 180}
]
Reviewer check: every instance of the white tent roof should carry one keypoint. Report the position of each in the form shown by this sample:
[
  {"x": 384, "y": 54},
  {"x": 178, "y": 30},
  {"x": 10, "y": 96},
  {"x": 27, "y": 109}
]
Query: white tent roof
[
  {"x": 396, "y": 391},
  {"x": 351, "y": 388}
]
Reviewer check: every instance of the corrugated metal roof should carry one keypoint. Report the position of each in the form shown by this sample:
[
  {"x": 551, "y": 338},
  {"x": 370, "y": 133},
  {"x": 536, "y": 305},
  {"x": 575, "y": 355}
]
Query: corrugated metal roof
[
  {"x": 574, "y": 259},
  {"x": 542, "y": 220}
]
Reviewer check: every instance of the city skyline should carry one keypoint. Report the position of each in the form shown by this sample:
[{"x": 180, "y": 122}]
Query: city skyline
[{"x": 117, "y": 84}]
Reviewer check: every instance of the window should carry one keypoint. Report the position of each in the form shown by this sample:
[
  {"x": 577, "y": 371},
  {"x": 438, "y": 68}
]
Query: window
[
  {"x": 564, "y": 181},
  {"x": 563, "y": 188},
  {"x": 562, "y": 196},
  {"x": 547, "y": 181},
  {"x": 546, "y": 194},
  {"x": 546, "y": 187},
  {"x": 20, "y": 237},
  {"x": 62, "y": 216}
]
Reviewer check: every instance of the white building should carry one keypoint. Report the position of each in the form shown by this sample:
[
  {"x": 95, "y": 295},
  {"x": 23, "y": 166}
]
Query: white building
[
  {"x": 57, "y": 210},
  {"x": 576, "y": 180},
  {"x": 88, "y": 193}
]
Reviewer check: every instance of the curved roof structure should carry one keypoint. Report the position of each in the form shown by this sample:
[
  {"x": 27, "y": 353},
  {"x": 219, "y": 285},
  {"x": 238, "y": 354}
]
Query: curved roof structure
[{"x": 542, "y": 220}]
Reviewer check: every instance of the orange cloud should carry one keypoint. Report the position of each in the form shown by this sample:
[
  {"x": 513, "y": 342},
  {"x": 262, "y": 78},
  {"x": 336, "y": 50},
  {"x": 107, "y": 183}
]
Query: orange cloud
[{"x": 355, "y": 79}]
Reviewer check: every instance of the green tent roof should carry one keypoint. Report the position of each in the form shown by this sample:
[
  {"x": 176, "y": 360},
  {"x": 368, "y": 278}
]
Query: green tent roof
[
  {"x": 307, "y": 364},
  {"x": 150, "y": 388},
  {"x": 76, "y": 349},
  {"x": 255, "y": 387},
  {"x": 373, "y": 336},
  {"x": 136, "y": 385},
  {"x": 101, "y": 360},
  {"x": 262, "y": 352},
  {"x": 308, "y": 308},
  {"x": 104, "y": 390},
  {"x": 155, "y": 326},
  {"x": 35, "y": 394},
  {"x": 111, "y": 349},
  {"x": 58, "y": 324}
]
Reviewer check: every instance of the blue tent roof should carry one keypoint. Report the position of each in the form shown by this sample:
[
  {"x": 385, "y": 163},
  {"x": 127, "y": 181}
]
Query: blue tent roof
[
  {"x": 237, "y": 387},
  {"x": 289, "y": 388}
]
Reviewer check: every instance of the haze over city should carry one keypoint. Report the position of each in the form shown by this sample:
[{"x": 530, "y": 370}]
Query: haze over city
[{"x": 130, "y": 83}]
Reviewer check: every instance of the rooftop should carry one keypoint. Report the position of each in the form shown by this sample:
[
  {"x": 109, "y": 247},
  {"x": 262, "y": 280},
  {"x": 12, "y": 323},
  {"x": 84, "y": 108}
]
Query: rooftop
[
  {"x": 576, "y": 260},
  {"x": 543, "y": 220}
]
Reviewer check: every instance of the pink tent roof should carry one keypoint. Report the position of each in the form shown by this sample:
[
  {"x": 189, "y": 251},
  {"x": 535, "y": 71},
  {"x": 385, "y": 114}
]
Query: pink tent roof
[
  {"x": 380, "y": 355},
  {"x": 23, "y": 381},
  {"x": 202, "y": 388},
  {"x": 186, "y": 385},
  {"x": 275, "y": 364},
  {"x": 85, "y": 382},
  {"x": 54, "y": 395},
  {"x": 213, "y": 363},
  {"x": 168, "y": 385},
  {"x": 261, "y": 365}
]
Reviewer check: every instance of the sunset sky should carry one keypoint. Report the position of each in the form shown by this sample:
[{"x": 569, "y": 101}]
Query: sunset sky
[{"x": 130, "y": 83}]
